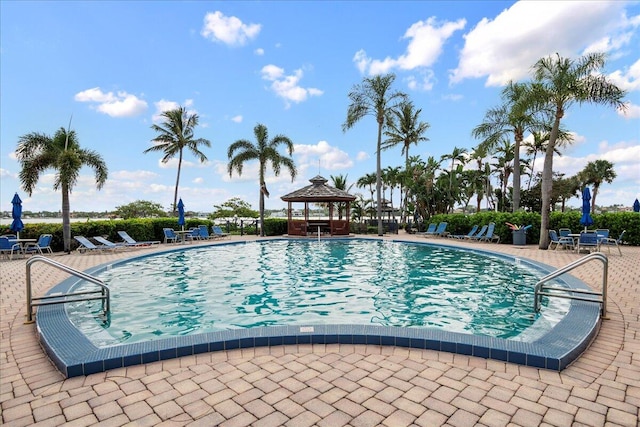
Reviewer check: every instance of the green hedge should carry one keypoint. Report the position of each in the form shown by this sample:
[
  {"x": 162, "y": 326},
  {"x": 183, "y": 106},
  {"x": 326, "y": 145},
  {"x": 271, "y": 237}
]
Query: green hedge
[
  {"x": 139, "y": 229},
  {"x": 615, "y": 222},
  {"x": 151, "y": 228}
]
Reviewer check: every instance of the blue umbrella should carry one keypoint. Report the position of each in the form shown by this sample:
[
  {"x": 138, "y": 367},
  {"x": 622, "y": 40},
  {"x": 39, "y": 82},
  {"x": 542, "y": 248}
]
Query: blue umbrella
[
  {"x": 181, "y": 213},
  {"x": 17, "y": 224},
  {"x": 586, "y": 219},
  {"x": 636, "y": 206}
]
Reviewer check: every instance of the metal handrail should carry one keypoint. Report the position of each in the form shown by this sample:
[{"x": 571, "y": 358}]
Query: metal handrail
[
  {"x": 105, "y": 294},
  {"x": 540, "y": 287}
]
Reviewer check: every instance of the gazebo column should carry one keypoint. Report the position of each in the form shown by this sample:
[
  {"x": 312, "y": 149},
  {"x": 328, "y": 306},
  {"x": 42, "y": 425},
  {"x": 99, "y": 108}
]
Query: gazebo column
[{"x": 331, "y": 218}]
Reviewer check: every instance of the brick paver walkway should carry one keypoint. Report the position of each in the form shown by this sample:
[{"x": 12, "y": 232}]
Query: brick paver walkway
[{"x": 329, "y": 385}]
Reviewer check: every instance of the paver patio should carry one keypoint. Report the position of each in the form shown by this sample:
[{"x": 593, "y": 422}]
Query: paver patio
[{"x": 329, "y": 385}]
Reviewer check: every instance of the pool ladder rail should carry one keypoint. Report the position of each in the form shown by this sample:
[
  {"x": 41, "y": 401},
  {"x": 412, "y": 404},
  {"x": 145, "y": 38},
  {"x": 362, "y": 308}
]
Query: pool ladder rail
[
  {"x": 541, "y": 288},
  {"x": 61, "y": 298}
]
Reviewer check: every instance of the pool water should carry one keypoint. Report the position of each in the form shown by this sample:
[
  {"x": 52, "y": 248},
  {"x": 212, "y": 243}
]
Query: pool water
[{"x": 285, "y": 282}]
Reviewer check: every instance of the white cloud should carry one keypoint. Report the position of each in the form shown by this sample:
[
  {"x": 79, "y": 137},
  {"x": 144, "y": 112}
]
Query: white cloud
[
  {"x": 259, "y": 51},
  {"x": 228, "y": 29},
  {"x": 362, "y": 155},
  {"x": 424, "y": 81},
  {"x": 631, "y": 112},
  {"x": 120, "y": 104},
  {"x": 165, "y": 105},
  {"x": 137, "y": 175},
  {"x": 237, "y": 119},
  {"x": 426, "y": 39},
  {"x": 198, "y": 180},
  {"x": 5, "y": 173},
  {"x": 288, "y": 87},
  {"x": 330, "y": 157},
  {"x": 173, "y": 164},
  {"x": 544, "y": 28},
  {"x": 629, "y": 79}
]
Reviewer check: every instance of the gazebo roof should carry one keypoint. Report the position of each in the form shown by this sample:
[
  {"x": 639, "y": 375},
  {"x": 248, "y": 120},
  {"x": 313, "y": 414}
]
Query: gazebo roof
[{"x": 318, "y": 191}]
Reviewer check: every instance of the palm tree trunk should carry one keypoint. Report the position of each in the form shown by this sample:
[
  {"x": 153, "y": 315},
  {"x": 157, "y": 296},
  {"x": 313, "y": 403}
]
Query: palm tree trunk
[
  {"x": 175, "y": 193},
  {"x": 261, "y": 211},
  {"x": 516, "y": 174},
  {"x": 547, "y": 182},
  {"x": 593, "y": 198},
  {"x": 66, "y": 221},
  {"x": 379, "y": 180}
]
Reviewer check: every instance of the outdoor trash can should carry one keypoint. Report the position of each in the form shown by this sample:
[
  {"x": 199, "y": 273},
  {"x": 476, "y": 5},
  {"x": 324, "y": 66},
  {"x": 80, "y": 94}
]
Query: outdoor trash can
[{"x": 520, "y": 237}]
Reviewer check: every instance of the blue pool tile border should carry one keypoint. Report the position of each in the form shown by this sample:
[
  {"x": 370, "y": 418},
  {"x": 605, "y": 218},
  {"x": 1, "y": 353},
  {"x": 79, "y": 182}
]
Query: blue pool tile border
[{"x": 74, "y": 355}]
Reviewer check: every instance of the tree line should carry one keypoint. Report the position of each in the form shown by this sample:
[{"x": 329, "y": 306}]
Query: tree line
[{"x": 536, "y": 106}]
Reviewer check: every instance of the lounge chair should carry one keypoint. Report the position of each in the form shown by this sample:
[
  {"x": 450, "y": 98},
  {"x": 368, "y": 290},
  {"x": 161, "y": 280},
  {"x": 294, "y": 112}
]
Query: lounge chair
[
  {"x": 204, "y": 232},
  {"x": 131, "y": 242},
  {"x": 87, "y": 246},
  {"x": 430, "y": 230},
  {"x": 464, "y": 236},
  {"x": 480, "y": 234},
  {"x": 490, "y": 236},
  {"x": 109, "y": 244},
  {"x": 195, "y": 233},
  {"x": 439, "y": 231},
  {"x": 170, "y": 235},
  {"x": 218, "y": 233},
  {"x": 610, "y": 241},
  {"x": 560, "y": 241},
  {"x": 8, "y": 248},
  {"x": 588, "y": 241},
  {"x": 43, "y": 244}
]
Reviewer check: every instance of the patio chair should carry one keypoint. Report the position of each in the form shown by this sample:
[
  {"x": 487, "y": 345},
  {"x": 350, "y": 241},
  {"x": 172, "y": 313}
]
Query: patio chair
[
  {"x": 204, "y": 232},
  {"x": 87, "y": 246},
  {"x": 490, "y": 236},
  {"x": 610, "y": 241},
  {"x": 195, "y": 233},
  {"x": 588, "y": 241},
  {"x": 479, "y": 234},
  {"x": 218, "y": 233},
  {"x": 603, "y": 233},
  {"x": 7, "y": 248},
  {"x": 439, "y": 231},
  {"x": 43, "y": 244},
  {"x": 464, "y": 236},
  {"x": 130, "y": 241},
  {"x": 430, "y": 230},
  {"x": 565, "y": 241},
  {"x": 170, "y": 235},
  {"x": 564, "y": 232},
  {"x": 109, "y": 244}
]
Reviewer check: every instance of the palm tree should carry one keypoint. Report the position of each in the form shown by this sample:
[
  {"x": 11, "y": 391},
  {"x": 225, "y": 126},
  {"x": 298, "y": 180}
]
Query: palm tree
[
  {"x": 405, "y": 128},
  {"x": 340, "y": 182},
  {"x": 458, "y": 154},
  {"x": 374, "y": 97},
  {"x": 176, "y": 134},
  {"x": 595, "y": 173},
  {"x": 539, "y": 145},
  {"x": 263, "y": 151},
  {"x": 515, "y": 116},
  {"x": 558, "y": 84},
  {"x": 38, "y": 152},
  {"x": 367, "y": 180}
]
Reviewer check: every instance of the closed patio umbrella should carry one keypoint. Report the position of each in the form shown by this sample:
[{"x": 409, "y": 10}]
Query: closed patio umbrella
[
  {"x": 586, "y": 219},
  {"x": 636, "y": 206},
  {"x": 181, "y": 213},
  {"x": 16, "y": 213}
]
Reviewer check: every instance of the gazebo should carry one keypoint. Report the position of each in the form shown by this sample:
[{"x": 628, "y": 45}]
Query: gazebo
[{"x": 318, "y": 192}]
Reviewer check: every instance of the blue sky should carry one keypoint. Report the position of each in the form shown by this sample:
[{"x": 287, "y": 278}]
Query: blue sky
[{"x": 115, "y": 66}]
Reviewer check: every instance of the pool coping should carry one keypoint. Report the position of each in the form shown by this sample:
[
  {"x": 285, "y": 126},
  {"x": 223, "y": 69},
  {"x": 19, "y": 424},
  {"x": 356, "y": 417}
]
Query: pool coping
[{"x": 74, "y": 355}]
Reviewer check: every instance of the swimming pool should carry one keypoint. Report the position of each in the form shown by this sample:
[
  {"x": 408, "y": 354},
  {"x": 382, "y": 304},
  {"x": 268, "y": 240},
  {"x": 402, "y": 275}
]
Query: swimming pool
[{"x": 298, "y": 292}]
